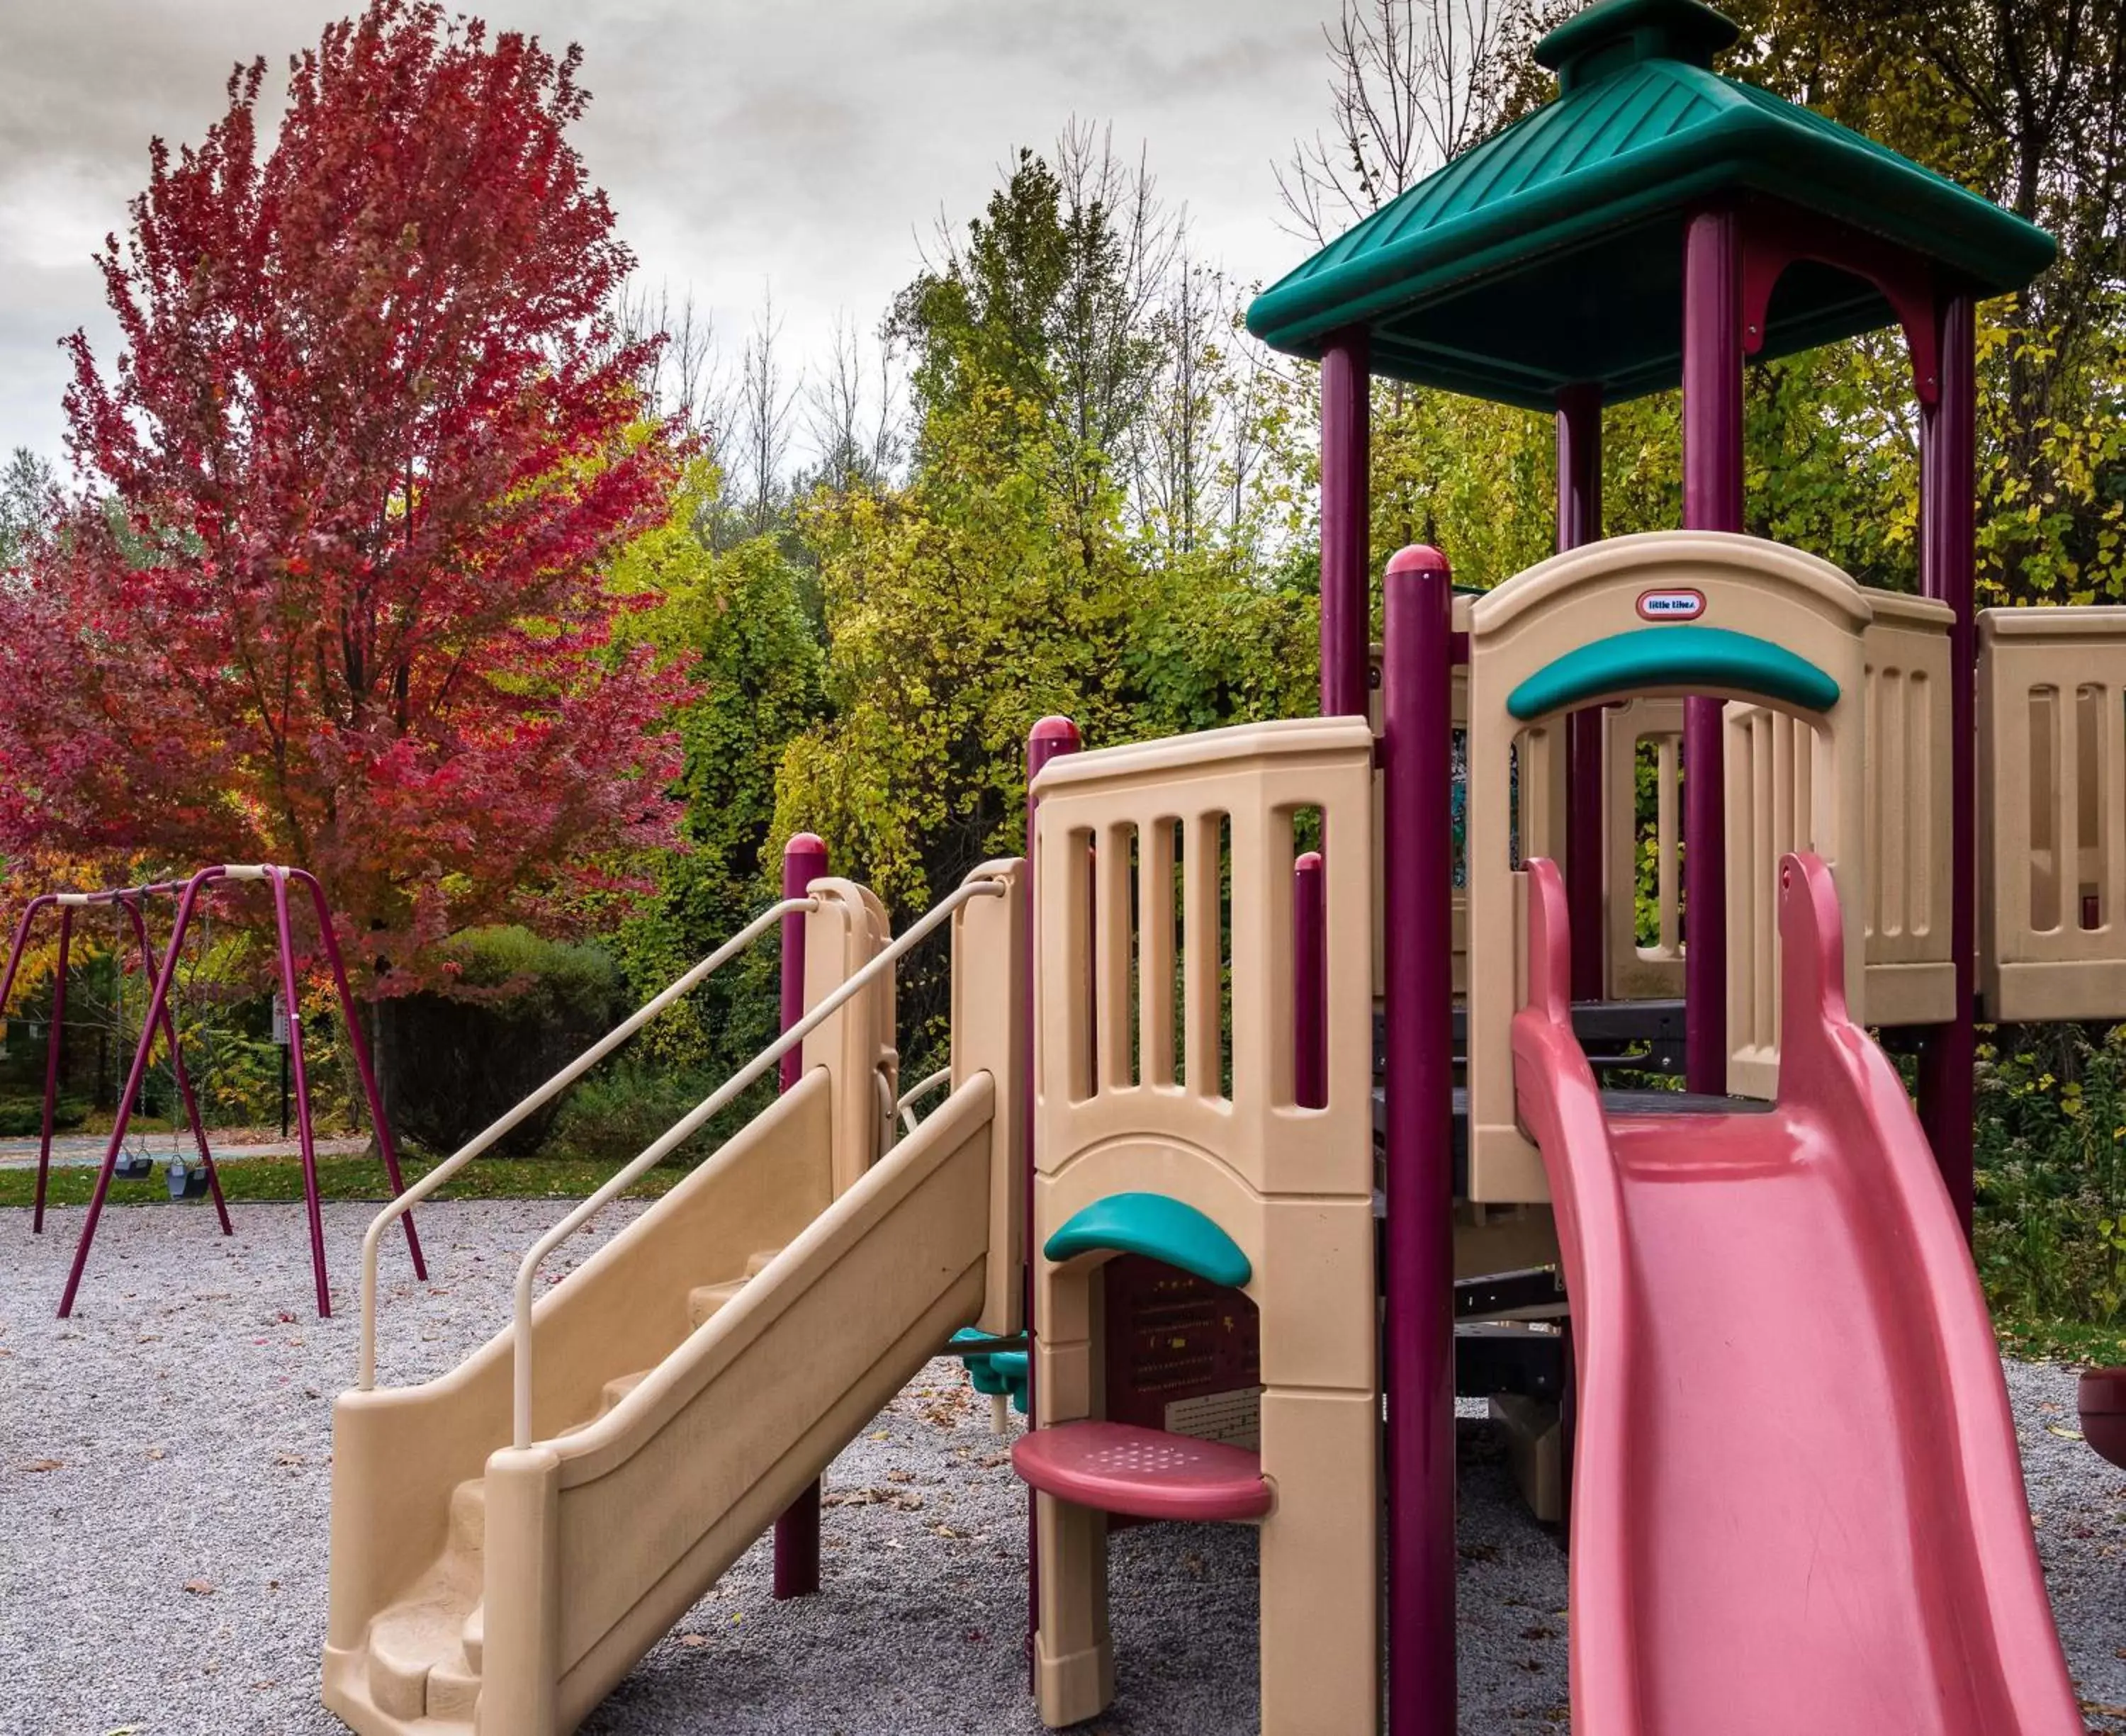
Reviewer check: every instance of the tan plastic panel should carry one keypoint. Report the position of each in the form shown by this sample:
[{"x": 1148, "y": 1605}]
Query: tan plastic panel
[
  {"x": 1134, "y": 1097},
  {"x": 1636, "y": 973},
  {"x": 1911, "y": 977},
  {"x": 1774, "y": 763},
  {"x": 2052, "y": 814},
  {"x": 1589, "y": 593}
]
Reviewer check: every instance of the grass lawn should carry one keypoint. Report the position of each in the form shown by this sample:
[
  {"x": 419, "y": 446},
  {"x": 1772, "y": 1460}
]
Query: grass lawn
[{"x": 347, "y": 1178}]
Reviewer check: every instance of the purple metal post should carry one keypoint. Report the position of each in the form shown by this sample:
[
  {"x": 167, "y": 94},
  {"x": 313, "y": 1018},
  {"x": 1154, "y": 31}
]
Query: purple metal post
[
  {"x": 1050, "y": 738},
  {"x": 53, "y": 1038},
  {"x": 797, "y": 1526},
  {"x": 1346, "y": 437},
  {"x": 1947, "y": 563},
  {"x": 380, "y": 1121},
  {"x": 1712, "y": 501},
  {"x": 21, "y": 943},
  {"x": 1309, "y": 982},
  {"x": 1579, "y": 522},
  {"x": 168, "y": 1025},
  {"x": 279, "y": 879},
  {"x": 157, "y": 998},
  {"x": 1417, "y": 763}
]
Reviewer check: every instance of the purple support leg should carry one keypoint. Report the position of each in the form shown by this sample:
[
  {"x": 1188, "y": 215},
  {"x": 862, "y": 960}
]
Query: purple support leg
[
  {"x": 304, "y": 1136},
  {"x": 1712, "y": 501},
  {"x": 54, "y": 1037},
  {"x": 380, "y": 1121},
  {"x": 1309, "y": 982},
  {"x": 1417, "y": 757},
  {"x": 1346, "y": 617},
  {"x": 21, "y": 944},
  {"x": 168, "y": 1026},
  {"x": 1051, "y": 739},
  {"x": 1948, "y": 559},
  {"x": 157, "y": 999},
  {"x": 797, "y": 1526},
  {"x": 1579, "y": 522}
]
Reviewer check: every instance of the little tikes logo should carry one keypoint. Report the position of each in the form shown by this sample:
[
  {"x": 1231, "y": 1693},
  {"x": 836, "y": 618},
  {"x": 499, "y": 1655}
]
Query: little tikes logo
[{"x": 1671, "y": 605}]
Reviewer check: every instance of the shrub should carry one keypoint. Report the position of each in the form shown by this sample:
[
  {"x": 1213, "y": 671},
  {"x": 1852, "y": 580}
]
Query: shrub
[
  {"x": 24, "y": 1117},
  {"x": 522, "y": 1009},
  {"x": 620, "y": 1111},
  {"x": 2051, "y": 1230}
]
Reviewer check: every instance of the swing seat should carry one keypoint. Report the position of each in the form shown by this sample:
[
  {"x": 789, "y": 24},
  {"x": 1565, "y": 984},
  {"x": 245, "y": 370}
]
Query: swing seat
[
  {"x": 134, "y": 1166},
  {"x": 186, "y": 1182}
]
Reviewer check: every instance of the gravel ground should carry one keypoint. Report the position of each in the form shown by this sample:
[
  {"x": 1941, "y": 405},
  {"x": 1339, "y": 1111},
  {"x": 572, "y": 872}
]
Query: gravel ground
[{"x": 165, "y": 1474}]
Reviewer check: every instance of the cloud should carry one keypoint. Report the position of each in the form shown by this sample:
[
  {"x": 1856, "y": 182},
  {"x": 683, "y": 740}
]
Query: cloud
[{"x": 805, "y": 148}]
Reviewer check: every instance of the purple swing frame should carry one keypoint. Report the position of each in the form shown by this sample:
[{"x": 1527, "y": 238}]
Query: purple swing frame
[{"x": 158, "y": 1019}]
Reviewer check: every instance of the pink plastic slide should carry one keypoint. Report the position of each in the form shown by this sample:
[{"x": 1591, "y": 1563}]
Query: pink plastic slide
[{"x": 1797, "y": 1509}]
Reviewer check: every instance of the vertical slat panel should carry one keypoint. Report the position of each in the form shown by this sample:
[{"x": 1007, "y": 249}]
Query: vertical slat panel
[
  {"x": 1202, "y": 961},
  {"x": 1111, "y": 922},
  {"x": 1156, "y": 988},
  {"x": 2065, "y": 804},
  {"x": 1667, "y": 794}
]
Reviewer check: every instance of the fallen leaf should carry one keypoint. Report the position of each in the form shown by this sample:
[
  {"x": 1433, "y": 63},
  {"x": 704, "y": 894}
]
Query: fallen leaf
[
  {"x": 2065, "y": 1434},
  {"x": 693, "y": 1640},
  {"x": 156, "y": 1452},
  {"x": 200, "y": 1587},
  {"x": 43, "y": 1465}
]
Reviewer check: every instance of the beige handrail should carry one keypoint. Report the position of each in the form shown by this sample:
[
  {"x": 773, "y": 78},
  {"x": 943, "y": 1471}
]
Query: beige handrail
[
  {"x": 366, "y": 1378},
  {"x": 703, "y": 1112},
  {"x": 915, "y": 1094}
]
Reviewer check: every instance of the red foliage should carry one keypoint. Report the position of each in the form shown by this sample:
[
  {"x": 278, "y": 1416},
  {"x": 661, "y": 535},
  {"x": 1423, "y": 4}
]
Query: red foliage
[{"x": 333, "y": 594}]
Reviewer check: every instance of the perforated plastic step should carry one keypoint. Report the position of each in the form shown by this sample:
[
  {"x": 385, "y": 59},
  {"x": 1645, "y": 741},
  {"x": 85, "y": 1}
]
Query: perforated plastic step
[{"x": 1119, "y": 1468}]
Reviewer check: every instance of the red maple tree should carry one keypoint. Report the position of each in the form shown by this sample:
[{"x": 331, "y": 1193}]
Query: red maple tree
[{"x": 332, "y": 592}]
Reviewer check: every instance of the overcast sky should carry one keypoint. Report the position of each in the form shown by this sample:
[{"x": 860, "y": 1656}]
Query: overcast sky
[{"x": 807, "y": 149}]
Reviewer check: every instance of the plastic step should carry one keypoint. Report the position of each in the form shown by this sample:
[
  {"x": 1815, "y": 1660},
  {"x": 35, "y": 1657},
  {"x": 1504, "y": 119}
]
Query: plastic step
[
  {"x": 705, "y": 1302},
  {"x": 407, "y": 1641},
  {"x": 1147, "y": 1473},
  {"x": 469, "y": 1517},
  {"x": 454, "y": 1690},
  {"x": 473, "y": 1636}
]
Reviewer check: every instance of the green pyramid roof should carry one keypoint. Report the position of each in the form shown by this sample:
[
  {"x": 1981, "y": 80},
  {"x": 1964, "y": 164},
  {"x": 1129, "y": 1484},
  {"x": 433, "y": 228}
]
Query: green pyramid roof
[{"x": 1551, "y": 254}]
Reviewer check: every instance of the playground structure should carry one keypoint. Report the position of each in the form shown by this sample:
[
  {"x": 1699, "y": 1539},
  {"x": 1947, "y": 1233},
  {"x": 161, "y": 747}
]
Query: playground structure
[
  {"x": 1247, "y": 1095},
  {"x": 158, "y": 1019}
]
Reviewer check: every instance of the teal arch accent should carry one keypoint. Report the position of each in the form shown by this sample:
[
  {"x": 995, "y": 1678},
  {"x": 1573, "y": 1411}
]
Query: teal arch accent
[
  {"x": 1711, "y": 659},
  {"x": 1160, "y": 1227}
]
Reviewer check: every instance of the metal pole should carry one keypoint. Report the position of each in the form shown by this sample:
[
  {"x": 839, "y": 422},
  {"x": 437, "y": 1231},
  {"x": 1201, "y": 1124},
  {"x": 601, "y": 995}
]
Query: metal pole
[
  {"x": 53, "y": 1040},
  {"x": 1417, "y": 763},
  {"x": 380, "y": 1119},
  {"x": 21, "y": 942},
  {"x": 1309, "y": 982},
  {"x": 1346, "y": 611},
  {"x": 168, "y": 1025},
  {"x": 127, "y": 1098},
  {"x": 1579, "y": 522},
  {"x": 1947, "y": 570},
  {"x": 1050, "y": 738},
  {"x": 1712, "y": 501},
  {"x": 279, "y": 878},
  {"x": 797, "y": 1526}
]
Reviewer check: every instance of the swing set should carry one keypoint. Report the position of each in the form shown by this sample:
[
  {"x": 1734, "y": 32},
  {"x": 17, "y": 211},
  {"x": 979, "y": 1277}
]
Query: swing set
[{"x": 187, "y": 1180}]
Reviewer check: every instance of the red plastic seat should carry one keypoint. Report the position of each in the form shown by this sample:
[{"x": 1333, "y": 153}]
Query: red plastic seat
[{"x": 1146, "y": 1473}]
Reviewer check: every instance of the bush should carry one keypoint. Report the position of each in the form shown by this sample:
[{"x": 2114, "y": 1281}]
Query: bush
[
  {"x": 523, "y": 1008},
  {"x": 24, "y": 1117},
  {"x": 2050, "y": 1230},
  {"x": 620, "y": 1112}
]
